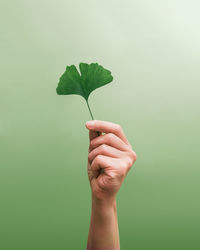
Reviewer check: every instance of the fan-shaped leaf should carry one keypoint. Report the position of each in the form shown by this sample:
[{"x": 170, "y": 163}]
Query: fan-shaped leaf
[{"x": 92, "y": 76}]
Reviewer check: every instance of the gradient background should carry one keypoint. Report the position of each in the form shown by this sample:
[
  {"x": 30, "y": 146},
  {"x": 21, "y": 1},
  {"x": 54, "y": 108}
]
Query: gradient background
[{"x": 153, "y": 51}]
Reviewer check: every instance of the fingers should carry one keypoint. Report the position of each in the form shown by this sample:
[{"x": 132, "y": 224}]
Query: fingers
[
  {"x": 110, "y": 151},
  {"x": 101, "y": 162},
  {"x": 111, "y": 166},
  {"x": 108, "y": 139},
  {"x": 105, "y": 150},
  {"x": 107, "y": 127},
  {"x": 92, "y": 135}
]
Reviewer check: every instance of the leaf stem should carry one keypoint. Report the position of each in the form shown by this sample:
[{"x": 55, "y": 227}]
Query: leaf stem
[
  {"x": 90, "y": 110},
  {"x": 98, "y": 133}
]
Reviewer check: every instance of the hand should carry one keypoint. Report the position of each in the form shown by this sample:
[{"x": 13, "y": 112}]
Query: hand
[{"x": 110, "y": 158}]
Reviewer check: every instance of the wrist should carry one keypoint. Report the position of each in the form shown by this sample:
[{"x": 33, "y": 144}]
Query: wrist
[
  {"x": 104, "y": 206},
  {"x": 104, "y": 200}
]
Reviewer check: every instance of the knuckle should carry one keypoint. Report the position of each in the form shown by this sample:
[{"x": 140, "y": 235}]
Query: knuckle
[
  {"x": 103, "y": 148},
  {"x": 134, "y": 155},
  {"x": 89, "y": 157},
  {"x": 112, "y": 176},
  {"x": 98, "y": 159},
  {"x": 129, "y": 162},
  {"x": 91, "y": 143},
  {"x": 110, "y": 136}
]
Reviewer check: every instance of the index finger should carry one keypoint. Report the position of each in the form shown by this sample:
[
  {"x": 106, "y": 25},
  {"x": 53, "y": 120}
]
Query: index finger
[{"x": 107, "y": 127}]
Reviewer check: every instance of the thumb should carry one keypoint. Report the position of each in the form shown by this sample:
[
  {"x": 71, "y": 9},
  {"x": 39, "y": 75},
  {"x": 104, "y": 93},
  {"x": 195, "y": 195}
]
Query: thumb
[{"x": 93, "y": 134}]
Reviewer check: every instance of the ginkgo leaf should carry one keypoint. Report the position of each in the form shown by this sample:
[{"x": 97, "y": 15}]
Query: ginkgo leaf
[{"x": 91, "y": 77}]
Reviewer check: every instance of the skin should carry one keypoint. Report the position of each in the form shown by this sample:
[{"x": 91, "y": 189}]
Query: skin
[{"x": 110, "y": 157}]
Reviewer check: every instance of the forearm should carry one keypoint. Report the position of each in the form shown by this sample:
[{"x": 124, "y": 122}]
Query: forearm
[{"x": 103, "y": 233}]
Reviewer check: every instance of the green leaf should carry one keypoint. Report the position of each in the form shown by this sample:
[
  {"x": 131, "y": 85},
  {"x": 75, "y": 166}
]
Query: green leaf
[{"x": 92, "y": 77}]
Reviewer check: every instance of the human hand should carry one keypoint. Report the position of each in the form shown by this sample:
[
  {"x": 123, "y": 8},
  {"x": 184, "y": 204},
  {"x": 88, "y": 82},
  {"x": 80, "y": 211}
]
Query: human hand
[{"x": 110, "y": 157}]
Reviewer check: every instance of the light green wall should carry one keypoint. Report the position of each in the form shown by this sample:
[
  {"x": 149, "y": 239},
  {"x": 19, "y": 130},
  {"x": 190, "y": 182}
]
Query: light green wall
[{"x": 153, "y": 51}]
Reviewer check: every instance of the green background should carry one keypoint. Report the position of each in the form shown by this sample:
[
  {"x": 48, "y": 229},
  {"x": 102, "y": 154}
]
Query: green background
[{"x": 153, "y": 51}]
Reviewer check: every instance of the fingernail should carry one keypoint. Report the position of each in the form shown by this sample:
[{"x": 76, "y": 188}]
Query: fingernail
[{"x": 89, "y": 124}]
